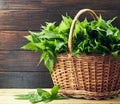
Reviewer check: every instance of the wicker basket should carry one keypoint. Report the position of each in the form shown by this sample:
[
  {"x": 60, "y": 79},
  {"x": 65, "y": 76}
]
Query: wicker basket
[{"x": 87, "y": 76}]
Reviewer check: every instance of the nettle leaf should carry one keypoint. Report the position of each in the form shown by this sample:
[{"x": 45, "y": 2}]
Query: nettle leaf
[
  {"x": 67, "y": 20},
  {"x": 49, "y": 64},
  {"x": 35, "y": 38},
  {"x": 44, "y": 94},
  {"x": 110, "y": 21},
  {"x": 49, "y": 60},
  {"x": 106, "y": 49},
  {"x": 43, "y": 56},
  {"x": 63, "y": 37},
  {"x": 30, "y": 46},
  {"x": 26, "y": 96},
  {"x": 41, "y": 46},
  {"x": 109, "y": 32},
  {"x": 77, "y": 29},
  {"x": 40, "y": 91},
  {"x": 41, "y": 95},
  {"x": 33, "y": 33},
  {"x": 29, "y": 37},
  {"x": 115, "y": 53},
  {"x": 65, "y": 24},
  {"x": 117, "y": 33},
  {"x": 48, "y": 36},
  {"x": 58, "y": 44},
  {"x": 85, "y": 23},
  {"x": 63, "y": 27},
  {"x": 35, "y": 99},
  {"x": 112, "y": 46},
  {"x": 54, "y": 91},
  {"x": 102, "y": 23},
  {"x": 49, "y": 27}
]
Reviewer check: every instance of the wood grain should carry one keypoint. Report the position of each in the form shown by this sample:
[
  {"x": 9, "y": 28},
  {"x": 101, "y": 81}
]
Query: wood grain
[
  {"x": 58, "y": 4},
  {"x": 25, "y": 80},
  {"x": 20, "y": 61},
  {"x": 19, "y": 20},
  {"x": 7, "y": 96},
  {"x": 12, "y": 40}
]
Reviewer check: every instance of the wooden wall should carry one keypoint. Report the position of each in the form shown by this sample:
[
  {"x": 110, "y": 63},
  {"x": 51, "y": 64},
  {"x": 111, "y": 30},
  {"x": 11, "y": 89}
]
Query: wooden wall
[{"x": 18, "y": 67}]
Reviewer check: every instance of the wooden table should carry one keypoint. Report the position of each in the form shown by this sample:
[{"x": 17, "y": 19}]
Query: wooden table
[{"x": 7, "y": 97}]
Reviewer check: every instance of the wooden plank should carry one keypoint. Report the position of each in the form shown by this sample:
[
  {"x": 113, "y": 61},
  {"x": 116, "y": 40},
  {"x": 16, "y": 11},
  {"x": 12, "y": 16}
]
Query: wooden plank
[
  {"x": 7, "y": 96},
  {"x": 80, "y": 4},
  {"x": 21, "y": 20},
  {"x": 21, "y": 4},
  {"x": 12, "y": 40},
  {"x": 20, "y": 61},
  {"x": 25, "y": 80},
  {"x": 52, "y": 4}
]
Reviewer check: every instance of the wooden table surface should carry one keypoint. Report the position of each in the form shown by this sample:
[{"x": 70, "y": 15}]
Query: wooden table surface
[{"x": 7, "y": 97}]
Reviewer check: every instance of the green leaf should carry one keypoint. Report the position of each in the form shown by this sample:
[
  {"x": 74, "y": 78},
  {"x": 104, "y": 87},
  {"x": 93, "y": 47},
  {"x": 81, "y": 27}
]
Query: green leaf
[
  {"x": 110, "y": 21},
  {"x": 29, "y": 37},
  {"x": 34, "y": 33},
  {"x": 30, "y": 46},
  {"x": 104, "y": 48},
  {"x": 59, "y": 44},
  {"x": 112, "y": 46},
  {"x": 102, "y": 23},
  {"x": 54, "y": 91},
  {"x": 25, "y": 96},
  {"x": 40, "y": 91},
  {"x": 40, "y": 45},
  {"x": 49, "y": 27},
  {"x": 109, "y": 32},
  {"x": 49, "y": 63},
  {"x": 77, "y": 27},
  {"x": 115, "y": 53},
  {"x": 48, "y": 36},
  {"x": 65, "y": 24},
  {"x": 36, "y": 99},
  {"x": 41, "y": 95},
  {"x": 49, "y": 59},
  {"x": 44, "y": 94},
  {"x": 43, "y": 56},
  {"x": 35, "y": 38}
]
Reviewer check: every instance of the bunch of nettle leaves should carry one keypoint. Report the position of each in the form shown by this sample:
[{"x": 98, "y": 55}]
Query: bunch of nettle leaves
[
  {"x": 41, "y": 95},
  {"x": 94, "y": 37}
]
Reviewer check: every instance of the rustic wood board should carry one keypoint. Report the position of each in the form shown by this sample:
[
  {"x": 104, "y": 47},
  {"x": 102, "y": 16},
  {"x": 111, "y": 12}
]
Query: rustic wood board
[
  {"x": 20, "y": 61},
  {"x": 59, "y": 4},
  {"x": 19, "y": 20},
  {"x": 25, "y": 80},
  {"x": 12, "y": 40},
  {"x": 7, "y": 97}
]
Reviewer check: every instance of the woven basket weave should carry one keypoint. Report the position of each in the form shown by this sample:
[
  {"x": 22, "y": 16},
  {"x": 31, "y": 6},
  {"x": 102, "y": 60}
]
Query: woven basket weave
[{"x": 87, "y": 76}]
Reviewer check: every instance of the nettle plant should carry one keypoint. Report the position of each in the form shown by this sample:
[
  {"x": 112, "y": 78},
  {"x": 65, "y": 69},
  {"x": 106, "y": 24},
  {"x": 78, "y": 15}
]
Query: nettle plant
[{"x": 94, "y": 37}]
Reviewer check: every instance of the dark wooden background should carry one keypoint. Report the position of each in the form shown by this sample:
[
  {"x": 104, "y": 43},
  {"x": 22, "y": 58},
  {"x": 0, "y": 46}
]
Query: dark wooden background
[{"x": 18, "y": 67}]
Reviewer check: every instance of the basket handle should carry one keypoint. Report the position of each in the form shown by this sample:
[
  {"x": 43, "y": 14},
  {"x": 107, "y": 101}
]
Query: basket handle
[{"x": 91, "y": 12}]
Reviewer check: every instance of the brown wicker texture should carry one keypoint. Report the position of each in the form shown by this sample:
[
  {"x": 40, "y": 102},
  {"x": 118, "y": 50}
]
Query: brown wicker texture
[{"x": 87, "y": 76}]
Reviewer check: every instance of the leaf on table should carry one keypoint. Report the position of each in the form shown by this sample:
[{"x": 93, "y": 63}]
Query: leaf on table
[
  {"x": 41, "y": 95},
  {"x": 25, "y": 96}
]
